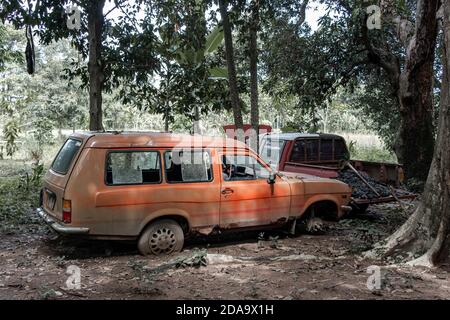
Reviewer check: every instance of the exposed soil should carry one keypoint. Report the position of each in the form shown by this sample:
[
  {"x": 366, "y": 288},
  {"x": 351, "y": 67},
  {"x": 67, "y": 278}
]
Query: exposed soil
[{"x": 34, "y": 261}]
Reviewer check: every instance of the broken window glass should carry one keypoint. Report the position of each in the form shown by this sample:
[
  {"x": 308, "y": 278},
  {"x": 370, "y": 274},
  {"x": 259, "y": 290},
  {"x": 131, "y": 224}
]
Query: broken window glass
[
  {"x": 133, "y": 167},
  {"x": 188, "y": 166}
]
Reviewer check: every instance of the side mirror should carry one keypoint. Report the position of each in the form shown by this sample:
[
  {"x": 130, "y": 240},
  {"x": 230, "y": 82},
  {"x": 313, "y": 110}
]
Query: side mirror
[{"x": 271, "y": 178}]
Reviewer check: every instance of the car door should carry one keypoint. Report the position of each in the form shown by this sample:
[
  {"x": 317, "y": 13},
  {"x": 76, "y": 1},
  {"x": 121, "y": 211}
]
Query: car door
[{"x": 246, "y": 197}]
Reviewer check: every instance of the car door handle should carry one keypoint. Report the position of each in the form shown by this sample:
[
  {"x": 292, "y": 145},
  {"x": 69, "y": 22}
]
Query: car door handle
[{"x": 227, "y": 191}]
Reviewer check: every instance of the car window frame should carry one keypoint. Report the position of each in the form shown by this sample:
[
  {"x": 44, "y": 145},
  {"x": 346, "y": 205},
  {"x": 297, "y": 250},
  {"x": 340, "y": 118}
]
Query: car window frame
[
  {"x": 72, "y": 161},
  {"x": 131, "y": 184},
  {"x": 262, "y": 163},
  {"x": 196, "y": 149}
]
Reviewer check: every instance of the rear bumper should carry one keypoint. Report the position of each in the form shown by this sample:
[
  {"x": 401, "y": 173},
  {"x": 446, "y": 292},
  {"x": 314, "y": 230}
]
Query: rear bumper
[{"x": 59, "y": 227}]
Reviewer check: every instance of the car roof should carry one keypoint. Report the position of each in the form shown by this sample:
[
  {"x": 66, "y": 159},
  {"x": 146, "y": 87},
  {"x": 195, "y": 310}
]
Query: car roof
[
  {"x": 296, "y": 135},
  {"x": 141, "y": 139}
]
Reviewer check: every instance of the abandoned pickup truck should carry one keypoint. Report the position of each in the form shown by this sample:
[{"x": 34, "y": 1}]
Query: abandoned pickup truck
[
  {"x": 159, "y": 188},
  {"x": 326, "y": 155}
]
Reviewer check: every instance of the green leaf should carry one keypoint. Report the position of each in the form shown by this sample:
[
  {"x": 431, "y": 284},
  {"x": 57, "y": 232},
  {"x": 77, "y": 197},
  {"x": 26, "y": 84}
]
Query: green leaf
[
  {"x": 190, "y": 56},
  {"x": 180, "y": 57},
  {"x": 199, "y": 56},
  {"x": 214, "y": 39},
  {"x": 218, "y": 73}
]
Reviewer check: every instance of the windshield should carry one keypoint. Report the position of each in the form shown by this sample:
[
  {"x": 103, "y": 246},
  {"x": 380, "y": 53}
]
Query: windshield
[{"x": 65, "y": 156}]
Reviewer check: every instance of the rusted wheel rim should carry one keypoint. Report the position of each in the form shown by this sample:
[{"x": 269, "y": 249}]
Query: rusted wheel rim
[{"x": 162, "y": 241}]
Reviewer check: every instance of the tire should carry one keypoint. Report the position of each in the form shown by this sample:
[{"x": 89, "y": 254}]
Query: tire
[
  {"x": 310, "y": 224},
  {"x": 162, "y": 237}
]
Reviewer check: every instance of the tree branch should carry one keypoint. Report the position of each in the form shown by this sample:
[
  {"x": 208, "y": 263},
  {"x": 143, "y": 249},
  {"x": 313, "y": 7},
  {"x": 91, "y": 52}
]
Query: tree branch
[
  {"x": 382, "y": 57},
  {"x": 302, "y": 16}
]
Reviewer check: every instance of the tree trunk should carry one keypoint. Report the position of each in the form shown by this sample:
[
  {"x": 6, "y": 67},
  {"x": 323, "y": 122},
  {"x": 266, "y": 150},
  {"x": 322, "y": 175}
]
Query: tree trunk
[
  {"x": 253, "y": 49},
  {"x": 166, "y": 96},
  {"x": 166, "y": 117},
  {"x": 415, "y": 94},
  {"x": 232, "y": 78},
  {"x": 426, "y": 233},
  {"x": 95, "y": 64},
  {"x": 413, "y": 87},
  {"x": 196, "y": 124}
]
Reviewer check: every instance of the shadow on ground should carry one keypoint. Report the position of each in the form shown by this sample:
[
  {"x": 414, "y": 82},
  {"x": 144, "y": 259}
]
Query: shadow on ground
[{"x": 81, "y": 248}]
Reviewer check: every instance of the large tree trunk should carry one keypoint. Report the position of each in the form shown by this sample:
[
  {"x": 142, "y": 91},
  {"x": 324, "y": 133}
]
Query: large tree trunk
[
  {"x": 232, "y": 78},
  {"x": 167, "y": 108},
  {"x": 413, "y": 87},
  {"x": 253, "y": 49},
  {"x": 426, "y": 233},
  {"x": 95, "y": 64},
  {"x": 415, "y": 94}
]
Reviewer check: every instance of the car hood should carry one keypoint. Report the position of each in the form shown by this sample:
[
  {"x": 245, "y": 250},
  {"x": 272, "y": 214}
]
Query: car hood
[{"x": 314, "y": 185}]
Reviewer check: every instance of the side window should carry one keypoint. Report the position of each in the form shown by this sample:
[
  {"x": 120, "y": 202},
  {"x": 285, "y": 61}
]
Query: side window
[
  {"x": 242, "y": 168},
  {"x": 133, "y": 167},
  {"x": 326, "y": 149},
  {"x": 298, "y": 151},
  {"x": 188, "y": 166}
]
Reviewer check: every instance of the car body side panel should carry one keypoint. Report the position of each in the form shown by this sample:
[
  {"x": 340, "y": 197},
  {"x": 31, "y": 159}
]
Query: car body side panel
[
  {"x": 55, "y": 183},
  {"x": 142, "y": 204},
  {"x": 123, "y": 210},
  {"x": 315, "y": 189},
  {"x": 280, "y": 202},
  {"x": 297, "y": 201},
  {"x": 247, "y": 205},
  {"x": 83, "y": 188}
]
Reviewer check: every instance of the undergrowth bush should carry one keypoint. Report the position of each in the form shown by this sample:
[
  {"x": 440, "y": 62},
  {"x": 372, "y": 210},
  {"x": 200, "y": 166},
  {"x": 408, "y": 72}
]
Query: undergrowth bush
[{"x": 20, "y": 185}]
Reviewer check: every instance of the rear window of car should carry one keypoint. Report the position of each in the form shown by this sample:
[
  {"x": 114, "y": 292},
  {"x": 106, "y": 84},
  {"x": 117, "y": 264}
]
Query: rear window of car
[
  {"x": 305, "y": 150},
  {"x": 312, "y": 150},
  {"x": 340, "y": 150},
  {"x": 326, "y": 149},
  {"x": 65, "y": 156},
  {"x": 298, "y": 151}
]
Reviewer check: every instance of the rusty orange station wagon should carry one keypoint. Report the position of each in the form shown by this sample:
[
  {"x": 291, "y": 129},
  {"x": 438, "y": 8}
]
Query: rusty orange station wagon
[{"x": 158, "y": 188}]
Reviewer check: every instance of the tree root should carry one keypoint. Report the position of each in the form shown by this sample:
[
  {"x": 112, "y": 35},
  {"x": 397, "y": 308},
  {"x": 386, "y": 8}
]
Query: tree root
[
  {"x": 404, "y": 238},
  {"x": 422, "y": 261}
]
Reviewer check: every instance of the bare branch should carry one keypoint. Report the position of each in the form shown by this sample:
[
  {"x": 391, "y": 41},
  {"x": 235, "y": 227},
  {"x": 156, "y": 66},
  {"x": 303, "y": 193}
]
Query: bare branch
[{"x": 302, "y": 16}]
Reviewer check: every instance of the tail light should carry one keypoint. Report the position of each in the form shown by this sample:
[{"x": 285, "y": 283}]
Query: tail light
[{"x": 67, "y": 211}]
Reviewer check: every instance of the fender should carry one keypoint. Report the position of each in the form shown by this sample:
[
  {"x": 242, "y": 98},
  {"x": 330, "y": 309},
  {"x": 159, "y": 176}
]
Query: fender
[{"x": 321, "y": 197}]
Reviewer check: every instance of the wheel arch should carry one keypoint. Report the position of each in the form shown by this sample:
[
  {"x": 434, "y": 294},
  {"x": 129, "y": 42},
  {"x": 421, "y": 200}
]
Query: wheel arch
[
  {"x": 182, "y": 218},
  {"x": 327, "y": 207}
]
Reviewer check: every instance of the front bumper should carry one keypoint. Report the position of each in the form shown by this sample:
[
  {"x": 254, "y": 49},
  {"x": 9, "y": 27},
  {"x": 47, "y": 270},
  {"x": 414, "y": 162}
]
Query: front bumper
[{"x": 59, "y": 227}]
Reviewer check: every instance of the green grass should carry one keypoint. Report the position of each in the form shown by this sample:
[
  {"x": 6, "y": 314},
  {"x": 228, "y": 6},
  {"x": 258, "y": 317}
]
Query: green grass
[
  {"x": 372, "y": 153},
  {"x": 367, "y": 147}
]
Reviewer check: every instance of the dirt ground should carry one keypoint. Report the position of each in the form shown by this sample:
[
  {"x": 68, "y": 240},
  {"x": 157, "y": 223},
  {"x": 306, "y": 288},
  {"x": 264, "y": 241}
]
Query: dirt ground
[{"x": 274, "y": 265}]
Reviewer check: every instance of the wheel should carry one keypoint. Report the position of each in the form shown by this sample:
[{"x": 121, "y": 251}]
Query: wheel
[
  {"x": 311, "y": 224},
  {"x": 161, "y": 237}
]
